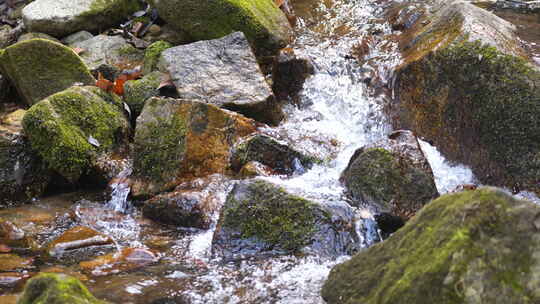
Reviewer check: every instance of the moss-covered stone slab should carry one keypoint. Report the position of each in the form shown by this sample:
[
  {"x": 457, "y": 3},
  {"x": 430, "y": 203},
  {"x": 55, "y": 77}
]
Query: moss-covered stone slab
[
  {"x": 152, "y": 54},
  {"x": 471, "y": 247},
  {"x": 261, "y": 218},
  {"x": 70, "y": 130},
  {"x": 60, "y": 18},
  {"x": 223, "y": 72},
  {"x": 263, "y": 23},
  {"x": 272, "y": 153},
  {"x": 179, "y": 139},
  {"x": 39, "y": 68},
  {"x": 57, "y": 289},
  {"x": 392, "y": 174},
  {"x": 23, "y": 174},
  {"x": 467, "y": 85}
]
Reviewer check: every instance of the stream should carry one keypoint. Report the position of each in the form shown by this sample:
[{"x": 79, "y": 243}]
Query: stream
[{"x": 336, "y": 106}]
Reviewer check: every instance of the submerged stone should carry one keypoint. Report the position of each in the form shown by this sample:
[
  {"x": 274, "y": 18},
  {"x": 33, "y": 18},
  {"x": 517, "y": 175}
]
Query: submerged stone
[
  {"x": 467, "y": 86},
  {"x": 127, "y": 259},
  {"x": 39, "y": 68},
  {"x": 223, "y": 72},
  {"x": 263, "y": 23},
  {"x": 260, "y": 218},
  {"x": 181, "y": 139},
  {"x": 62, "y": 17},
  {"x": 71, "y": 129},
  {"x": 75, "y": 238},
  {"x": 57, "y": 289},
  {"x": 476, "y": 246},
  {"x": 392, "y": 174}
]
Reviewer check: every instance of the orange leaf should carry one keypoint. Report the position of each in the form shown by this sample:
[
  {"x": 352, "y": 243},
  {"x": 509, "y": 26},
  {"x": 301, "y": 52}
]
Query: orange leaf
[
  {"x": 103, "y": 83},
  {"x": 119, "y": 85}
]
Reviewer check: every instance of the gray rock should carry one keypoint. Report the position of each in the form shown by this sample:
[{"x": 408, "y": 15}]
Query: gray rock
[
  {"x": 260, "y": 218},
  {"x": 108, "y": 50},
  {"x": 33, "y": 35},
  {"x": 77, "y": 37},
  {"x": 7, "y": 36},
  {"x": 62, "y": 17},
  {"x": 23, "y": 175},
  {"x": 393, "y": 174},
  {"x": 223, "y": 72},
  {"x": 525, "y": 6}
]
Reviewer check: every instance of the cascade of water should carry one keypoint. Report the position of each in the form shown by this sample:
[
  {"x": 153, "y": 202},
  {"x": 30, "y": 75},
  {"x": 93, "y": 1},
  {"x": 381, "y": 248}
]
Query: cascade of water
[{"x": 120, "y": 191}]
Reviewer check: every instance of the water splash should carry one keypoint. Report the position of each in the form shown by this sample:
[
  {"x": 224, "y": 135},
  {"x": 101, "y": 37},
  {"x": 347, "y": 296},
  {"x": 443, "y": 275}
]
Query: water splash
[{"x": 120, "y": 191}]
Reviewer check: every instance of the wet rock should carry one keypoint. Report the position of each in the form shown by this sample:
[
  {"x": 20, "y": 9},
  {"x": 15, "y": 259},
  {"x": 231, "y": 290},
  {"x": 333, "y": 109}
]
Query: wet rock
[
  {"x": 23, "y": 175},
  {"x": 7, "y": 36},
  {"x": 78, "y": 237},
  {"x": 62, "y": 17},
  {"x": 77, "y": 37},
  {"x": 12, "y": 280},
  {"x": 33, "y": 35},
  {"x": 13, "y": 262},
  {"x": 58, "y": 289},
  {"x": 253, "y": 168},
  {"x": 467, "y": 86},
  {"x": 109, "y": 50},
  {"x": 13, "y": 236},
  {"x": 486, "y": 252},
  {"x": 70, "y": 130},
  {"x": 523, "y": 6},
  {"x": 127, "y": 259},
  {"x": 260, "y": 218},
  {"x": 136, "y": 92},
  {"x": 266, "y": 150},
  {"x": 223, "y": 72},
  {"x": 187, "y": 206},
  {"x": 152, "y": 54},
  {"x": 262, "y": 21},
  {"x": 53, "y": 66},
  {"x": 392, "y": 174},
  {"x": 179, "y": 139},
  {"x": 289, "y": 72}
]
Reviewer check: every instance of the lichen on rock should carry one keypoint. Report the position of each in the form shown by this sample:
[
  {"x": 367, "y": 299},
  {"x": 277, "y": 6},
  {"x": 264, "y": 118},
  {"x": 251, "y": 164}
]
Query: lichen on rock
[{"x": 471, "y": 247}]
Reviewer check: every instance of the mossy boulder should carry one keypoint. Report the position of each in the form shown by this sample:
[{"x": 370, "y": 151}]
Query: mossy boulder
[
  {"x": 60, "y": 18},
  {"x": 179, "y": 139},
  {"x": 136, "y": 92},
  {"x": 467, "y": 86},
  {"x": 152, "y": 53},
  {"x": 392, "y": 174},
  {"x": 272, "y": 153},
  {"x": 260, "y": 218},
  {"x": 263, "y": 23},
  {"x": 476, "y": 246},
  {"x": 223, "y": 72},
  {"x": 56, "y": 289},
  {"x": 70, "y": 130},
  {"x": 39, "y": 68},
  {"x": 23, "y": 174},
  {"x": 35, "y": 35}
]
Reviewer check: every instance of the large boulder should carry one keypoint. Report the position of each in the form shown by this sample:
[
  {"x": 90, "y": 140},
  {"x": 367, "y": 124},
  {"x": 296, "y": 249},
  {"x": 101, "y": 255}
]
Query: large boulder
[
  {"x": 39, "y": 68},
  {"x": 223, "y": 72},
  {"x": 57, "y": 289},
  {"x": 465, "y": 84},
  {"x": 62, "y": 17},
  {"x": 179, "y": 139},
  {"x": 263, "y": 23},
  {"x": 73, "y": 129},
  {"x": 471, "y": 247},
  {"x": 23, "y": 175},
  {"x": 392, "y": 174},
  {"x": 272, "y": 153},
  {"x": 260, "y": 218}
]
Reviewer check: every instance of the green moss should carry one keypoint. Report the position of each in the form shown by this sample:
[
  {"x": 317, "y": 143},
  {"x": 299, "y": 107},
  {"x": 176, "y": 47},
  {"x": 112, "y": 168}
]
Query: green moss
[
  {"x": 114, "y": 9},
  {"x": 49, "y": 288},
  {"x": 59, "y": 127},
  {"x": 471, "y": 244},
  {"x": 472, "y": 95},
  {"x": 151, "y": 56},
  {"x": 136, "y": 92},
  {"x": 159, "y": 146},
  {"x": 128, "y": 50},
  {"x": 272, "y": 215},
  {"x": 39, "y": 68},
  {"x": 262, "y": 21}
]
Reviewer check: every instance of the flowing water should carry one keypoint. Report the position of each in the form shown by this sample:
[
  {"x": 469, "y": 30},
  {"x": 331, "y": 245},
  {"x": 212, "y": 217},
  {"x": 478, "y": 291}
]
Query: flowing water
[{"x": 337, "y": 114}]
